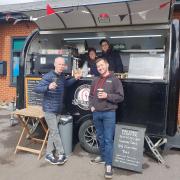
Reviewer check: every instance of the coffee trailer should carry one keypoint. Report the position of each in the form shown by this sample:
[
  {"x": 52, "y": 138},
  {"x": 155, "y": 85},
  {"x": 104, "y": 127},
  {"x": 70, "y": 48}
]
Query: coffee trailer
[{"x": 148, "y": 42}]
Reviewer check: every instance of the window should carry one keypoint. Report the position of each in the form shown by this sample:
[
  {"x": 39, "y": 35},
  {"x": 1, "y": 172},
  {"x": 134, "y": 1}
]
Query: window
[{"x": 17, "y": 47}]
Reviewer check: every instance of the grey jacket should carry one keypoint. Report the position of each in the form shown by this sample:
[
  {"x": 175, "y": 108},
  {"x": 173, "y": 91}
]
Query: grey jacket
[{"x": 114, "y": 89}]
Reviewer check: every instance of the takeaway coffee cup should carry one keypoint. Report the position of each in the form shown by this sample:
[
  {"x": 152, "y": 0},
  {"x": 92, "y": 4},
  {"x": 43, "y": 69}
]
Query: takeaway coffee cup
[
  {"x": 55, "y": 79},
  {"x": 99, "y": 91}
]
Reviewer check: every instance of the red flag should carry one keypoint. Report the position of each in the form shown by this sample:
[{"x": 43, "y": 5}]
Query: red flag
[
  {"x": 49, "y": 10},
  {"x": 163, "y": 5}
]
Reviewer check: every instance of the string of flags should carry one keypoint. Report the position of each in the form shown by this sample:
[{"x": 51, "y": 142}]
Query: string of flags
[
  {"x": 102, "y": 17},
  {"x": 142, "y": 14}
]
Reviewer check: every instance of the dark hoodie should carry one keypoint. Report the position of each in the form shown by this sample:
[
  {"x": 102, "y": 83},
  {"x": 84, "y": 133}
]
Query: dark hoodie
[
  {"x": 114, "y": 60},
  {"x": 93, "y": 68},
  {"x": 114, "y": 89}
]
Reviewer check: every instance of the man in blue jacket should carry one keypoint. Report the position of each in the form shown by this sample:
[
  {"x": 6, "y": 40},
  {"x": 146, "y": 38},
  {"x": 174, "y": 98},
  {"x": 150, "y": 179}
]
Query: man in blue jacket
[
  {"x": 52, "y": 86},
  {"x": 112, "y": 56}
]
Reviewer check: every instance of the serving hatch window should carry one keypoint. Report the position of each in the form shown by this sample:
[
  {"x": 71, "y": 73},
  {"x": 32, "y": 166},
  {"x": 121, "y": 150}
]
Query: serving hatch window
[{"x": 143, "y": 52}]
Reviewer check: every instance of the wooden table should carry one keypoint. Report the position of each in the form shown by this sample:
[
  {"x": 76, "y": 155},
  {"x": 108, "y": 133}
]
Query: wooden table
[{"x": 31, "y": 116}]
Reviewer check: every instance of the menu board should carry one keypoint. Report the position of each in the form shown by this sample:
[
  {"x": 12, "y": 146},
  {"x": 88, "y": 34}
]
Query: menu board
[
  {"x": 32, "y": 98},
  {"x": 128, "y": 147},
  {"x": 146, "y": 66}
]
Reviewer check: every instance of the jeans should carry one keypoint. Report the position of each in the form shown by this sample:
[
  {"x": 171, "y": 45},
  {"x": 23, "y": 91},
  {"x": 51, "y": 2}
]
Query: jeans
[
  {"x": 54, "y": 139},
  {"x": 104, "y": 122}
]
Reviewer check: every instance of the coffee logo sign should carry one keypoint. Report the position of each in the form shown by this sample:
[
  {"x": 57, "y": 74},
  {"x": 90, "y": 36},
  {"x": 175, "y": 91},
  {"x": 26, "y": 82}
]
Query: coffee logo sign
[{"x": 81, "y": 96}]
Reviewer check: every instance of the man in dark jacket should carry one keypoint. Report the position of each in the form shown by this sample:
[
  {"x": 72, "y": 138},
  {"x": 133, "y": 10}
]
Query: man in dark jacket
[
  {"x": 113, "y": 57},
  {"x": 106, "y": 92},
  {"x": 52, "y": 87}
]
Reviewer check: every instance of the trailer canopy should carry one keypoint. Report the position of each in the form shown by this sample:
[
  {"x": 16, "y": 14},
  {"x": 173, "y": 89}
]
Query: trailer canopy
[{"x": 84, "y": 14}]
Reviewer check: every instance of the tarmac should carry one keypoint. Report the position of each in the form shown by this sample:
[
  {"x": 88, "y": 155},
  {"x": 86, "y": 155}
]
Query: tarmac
[{"x": 26, "y": 166}]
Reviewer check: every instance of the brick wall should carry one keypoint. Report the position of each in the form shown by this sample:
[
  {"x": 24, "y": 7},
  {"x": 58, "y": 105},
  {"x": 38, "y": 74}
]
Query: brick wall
[
  {"x": 176, "y": 15},
  {"x": 7, "y": 32}
]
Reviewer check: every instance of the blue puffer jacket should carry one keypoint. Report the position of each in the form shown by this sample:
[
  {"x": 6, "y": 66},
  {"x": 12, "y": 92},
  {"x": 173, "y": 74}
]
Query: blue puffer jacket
[{"x": 53, "y": 99}]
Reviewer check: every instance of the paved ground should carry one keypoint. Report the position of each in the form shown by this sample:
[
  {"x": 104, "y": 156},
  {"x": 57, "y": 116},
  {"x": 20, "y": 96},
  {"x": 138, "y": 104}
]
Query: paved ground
[{"x": 25, "y": 166}]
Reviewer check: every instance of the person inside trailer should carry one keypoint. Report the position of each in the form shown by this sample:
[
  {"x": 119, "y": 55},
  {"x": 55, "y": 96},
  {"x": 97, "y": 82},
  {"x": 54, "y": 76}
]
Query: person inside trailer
[
  {"x": 92, "y": 57},
  {"x": 112, "y": 56}
]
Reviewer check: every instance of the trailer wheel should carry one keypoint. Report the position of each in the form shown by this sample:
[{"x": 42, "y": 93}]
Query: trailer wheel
[{"x": 87, "y": 137}]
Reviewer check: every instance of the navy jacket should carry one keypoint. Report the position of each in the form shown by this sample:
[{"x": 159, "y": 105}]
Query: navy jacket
[
  {"x": 53, "y": 99},
  {"x": 114, "y": 60}
]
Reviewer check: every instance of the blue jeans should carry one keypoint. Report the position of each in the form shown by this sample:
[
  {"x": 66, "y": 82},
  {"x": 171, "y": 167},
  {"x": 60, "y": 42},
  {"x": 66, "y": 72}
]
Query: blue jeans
[{"x": 104, "y": 122}]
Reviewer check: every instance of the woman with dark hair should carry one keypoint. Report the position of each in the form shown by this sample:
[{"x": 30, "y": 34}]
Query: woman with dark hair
[
  {"x": 92, "y": 57},
  {"x": 112, "y": 56}
]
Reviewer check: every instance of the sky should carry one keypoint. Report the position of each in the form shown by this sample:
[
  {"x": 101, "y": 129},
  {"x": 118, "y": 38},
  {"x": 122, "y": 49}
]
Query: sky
[{"x": 5, "y": 2}]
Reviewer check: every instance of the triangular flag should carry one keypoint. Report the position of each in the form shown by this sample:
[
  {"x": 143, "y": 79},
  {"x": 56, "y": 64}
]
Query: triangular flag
[
  {"x": 8, "y": 16},
  {"x": 122, "y": 16},
  {"x": 163, "y": 5},
  {"x": 143, "y": 14},
  {"x": 49, "y": 10}
]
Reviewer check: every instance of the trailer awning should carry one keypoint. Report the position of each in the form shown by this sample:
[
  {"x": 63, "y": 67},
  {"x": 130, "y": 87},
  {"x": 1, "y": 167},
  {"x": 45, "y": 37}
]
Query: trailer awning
[{"x": 84, "y": 14}]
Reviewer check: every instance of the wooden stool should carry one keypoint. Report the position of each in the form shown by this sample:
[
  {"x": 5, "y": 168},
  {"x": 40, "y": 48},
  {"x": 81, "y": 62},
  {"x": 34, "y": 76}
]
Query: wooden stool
[{"x": 35, "y": 115}]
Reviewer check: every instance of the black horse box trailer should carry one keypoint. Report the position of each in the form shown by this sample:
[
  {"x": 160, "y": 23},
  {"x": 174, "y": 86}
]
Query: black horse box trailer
[{"x": 148, "y": 42}]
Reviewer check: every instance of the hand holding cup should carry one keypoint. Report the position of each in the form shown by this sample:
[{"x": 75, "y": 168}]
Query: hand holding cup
[
  {"x": 53, "y": 85},
  {"x": 101, "y": 94}
]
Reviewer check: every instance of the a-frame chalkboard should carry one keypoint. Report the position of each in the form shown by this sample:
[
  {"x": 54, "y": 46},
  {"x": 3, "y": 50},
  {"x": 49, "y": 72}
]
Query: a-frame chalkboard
[{"x": 128, "y": 147}]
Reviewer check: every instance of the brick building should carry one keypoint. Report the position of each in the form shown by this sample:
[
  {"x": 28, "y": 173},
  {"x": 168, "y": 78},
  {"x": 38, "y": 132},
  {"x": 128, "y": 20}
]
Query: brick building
[{"x": 12, "y": 38}]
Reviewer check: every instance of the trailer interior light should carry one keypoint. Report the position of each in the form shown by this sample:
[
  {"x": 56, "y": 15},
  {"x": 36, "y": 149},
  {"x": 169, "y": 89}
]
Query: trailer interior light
[
  {"x": 136, "y": 36},
  {"x": 83, "y": 38}
]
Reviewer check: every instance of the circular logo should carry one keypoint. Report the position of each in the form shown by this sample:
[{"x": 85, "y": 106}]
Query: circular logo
[{"x": 81, "y": 96}]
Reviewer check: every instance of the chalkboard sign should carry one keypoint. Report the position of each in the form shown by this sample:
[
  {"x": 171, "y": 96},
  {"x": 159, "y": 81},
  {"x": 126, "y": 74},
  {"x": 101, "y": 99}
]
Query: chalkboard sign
[
  {"x": 128, "y": 147},
  {"x": 32, "y": 98}
]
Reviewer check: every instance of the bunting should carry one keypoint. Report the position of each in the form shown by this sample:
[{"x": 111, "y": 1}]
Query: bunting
[
  {"x": 49, "y": 10},
  {"x": 122, "y": 16},
  {"x": 102, "y": 17},
  {"x": 143, "y": 14},
  {"x": 163, "y": 5},
  {"x": 8, "y": 16}
]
